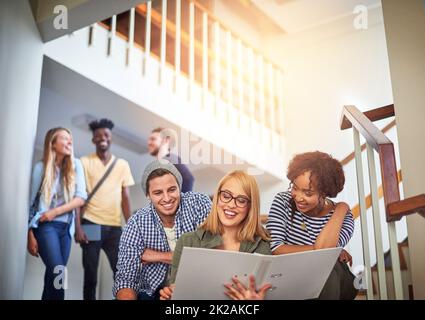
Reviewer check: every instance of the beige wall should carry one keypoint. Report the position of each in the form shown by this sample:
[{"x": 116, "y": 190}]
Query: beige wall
[{"x": 405, "y": 33}]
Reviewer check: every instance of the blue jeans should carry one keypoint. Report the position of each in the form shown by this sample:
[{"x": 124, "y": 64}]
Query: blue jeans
[
  {"x": 54, "y": 247},
  {"x": 145, "y": 296}
]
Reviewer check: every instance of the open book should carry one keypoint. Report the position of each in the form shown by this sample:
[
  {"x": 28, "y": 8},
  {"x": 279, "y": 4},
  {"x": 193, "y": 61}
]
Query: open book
[{"x": 203, "y": 272}]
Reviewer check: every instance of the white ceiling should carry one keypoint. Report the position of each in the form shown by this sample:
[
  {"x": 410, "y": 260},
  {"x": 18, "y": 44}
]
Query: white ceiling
[{"x": 298, "y": 15}]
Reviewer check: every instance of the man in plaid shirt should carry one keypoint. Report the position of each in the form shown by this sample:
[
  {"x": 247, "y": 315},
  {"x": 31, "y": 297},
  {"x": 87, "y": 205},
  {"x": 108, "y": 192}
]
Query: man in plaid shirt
[{"x": 147, "y": 243}]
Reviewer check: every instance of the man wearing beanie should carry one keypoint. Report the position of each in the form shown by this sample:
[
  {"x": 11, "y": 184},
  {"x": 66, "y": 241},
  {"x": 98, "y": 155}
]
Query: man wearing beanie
[{"x": 148, "y": 241}]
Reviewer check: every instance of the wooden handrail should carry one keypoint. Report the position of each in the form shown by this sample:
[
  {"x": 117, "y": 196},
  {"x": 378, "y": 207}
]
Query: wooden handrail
[
  {"x": 365, "y": 126},
  {"x": 408, "y": 206},
  {"x": 351, "y": 156},
  {"x": 373, "y": 115},
  {"x": 385, "y": 148}
]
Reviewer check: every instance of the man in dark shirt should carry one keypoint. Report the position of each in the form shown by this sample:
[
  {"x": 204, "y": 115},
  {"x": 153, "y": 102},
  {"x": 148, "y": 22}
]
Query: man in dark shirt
[{"x": 159, "y": 147}]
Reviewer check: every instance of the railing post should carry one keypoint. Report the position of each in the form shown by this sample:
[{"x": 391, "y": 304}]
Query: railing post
[
  {"x": 280, "y": 115},
  {"x": 147, "y": 35},
  {"x": 204, "y": 58},
  {"x": 130, "y": 42},
  {"x": 229, "y": 65},
  {"x": 262, "y": 119},
  {"x": 251, "y": 88},
  {"x": 163, "y": 40},
  {"x": 217, "y": 76},
  {"x": 270, "y": 100},
  {"x": 377, "y": 224},
  {"x": 240, "y": 82},
  {"x": 177, "y": 45},
  {"x": 191, "y": 48},
  {"x": 363, "y": 213},
  {"x": 111, "y": 38},
  {"x": 395, "y": 261},
  {"x": 92, "y": 30}
]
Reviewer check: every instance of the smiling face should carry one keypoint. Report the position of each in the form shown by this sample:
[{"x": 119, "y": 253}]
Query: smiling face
[
  {"x": 62, "y": 144},
  {"x": 102, "y": 138},
  {"x": 230, "y": 211},
  {"x": 305, "y": 193},
  {"x": 164, "y": 193}
]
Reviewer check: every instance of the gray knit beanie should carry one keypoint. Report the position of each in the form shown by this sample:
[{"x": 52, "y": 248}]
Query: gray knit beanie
[{"x": 161, "y": 164}]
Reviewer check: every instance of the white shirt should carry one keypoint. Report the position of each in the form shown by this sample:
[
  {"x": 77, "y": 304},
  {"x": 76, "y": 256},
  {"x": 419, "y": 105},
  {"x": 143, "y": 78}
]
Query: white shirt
[{"x": 171, "y": 237}]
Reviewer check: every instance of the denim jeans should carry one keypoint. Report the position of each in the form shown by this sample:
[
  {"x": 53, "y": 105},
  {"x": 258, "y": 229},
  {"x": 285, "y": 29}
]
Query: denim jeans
[
  {"x": 54, "y": 247},
  {"x": 145, "y": 296},
  {"x": 109, "y": 242}
]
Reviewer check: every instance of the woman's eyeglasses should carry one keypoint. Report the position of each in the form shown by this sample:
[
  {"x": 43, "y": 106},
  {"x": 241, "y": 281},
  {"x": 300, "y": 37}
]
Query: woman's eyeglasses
[{"x": 240, "y": 201}]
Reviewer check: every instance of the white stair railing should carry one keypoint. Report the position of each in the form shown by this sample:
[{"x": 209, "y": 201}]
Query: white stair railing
[{"x": 395, "y": 208}]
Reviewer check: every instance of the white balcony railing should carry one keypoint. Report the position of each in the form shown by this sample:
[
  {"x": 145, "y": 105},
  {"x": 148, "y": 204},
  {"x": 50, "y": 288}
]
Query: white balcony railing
[{"x": 185, "y": 36}]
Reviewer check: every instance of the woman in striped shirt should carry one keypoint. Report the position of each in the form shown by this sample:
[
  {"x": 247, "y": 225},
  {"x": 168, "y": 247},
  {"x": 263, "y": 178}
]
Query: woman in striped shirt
[{"x": 303, "y": 218}]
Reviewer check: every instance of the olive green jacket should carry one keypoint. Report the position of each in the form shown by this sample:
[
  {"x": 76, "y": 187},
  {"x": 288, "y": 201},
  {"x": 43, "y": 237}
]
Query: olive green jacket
[{"x": 204, "y": 239}]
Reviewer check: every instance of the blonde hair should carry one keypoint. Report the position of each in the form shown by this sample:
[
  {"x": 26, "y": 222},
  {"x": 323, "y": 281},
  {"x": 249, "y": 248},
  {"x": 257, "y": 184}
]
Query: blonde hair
[
  {"x": 251, "y": 225},
  {"x": 67, "y": 168}
]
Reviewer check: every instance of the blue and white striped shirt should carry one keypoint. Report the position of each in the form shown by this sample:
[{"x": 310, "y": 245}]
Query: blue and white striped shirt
[
  {"x": 145, "y": 231},
  {"x": 301, "y": 229}
]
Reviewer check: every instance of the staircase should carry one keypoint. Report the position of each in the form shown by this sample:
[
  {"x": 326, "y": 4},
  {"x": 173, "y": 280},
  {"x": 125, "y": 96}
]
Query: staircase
[
  {"x": 391, "y": 265},
  {"x": 189, "y": 69}
]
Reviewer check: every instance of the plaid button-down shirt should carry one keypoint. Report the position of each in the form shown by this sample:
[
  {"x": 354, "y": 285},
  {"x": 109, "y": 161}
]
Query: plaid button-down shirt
[{"x": 145, "y": 231}]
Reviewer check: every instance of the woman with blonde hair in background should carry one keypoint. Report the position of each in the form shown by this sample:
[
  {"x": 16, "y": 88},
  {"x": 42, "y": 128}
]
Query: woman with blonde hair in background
[
  {"x": 57, "y": 188},
  {"x": 233, "y": 224}
]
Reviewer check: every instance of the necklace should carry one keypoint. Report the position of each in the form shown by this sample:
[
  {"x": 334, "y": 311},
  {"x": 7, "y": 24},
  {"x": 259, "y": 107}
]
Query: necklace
[{"x": 304, "y": 226}]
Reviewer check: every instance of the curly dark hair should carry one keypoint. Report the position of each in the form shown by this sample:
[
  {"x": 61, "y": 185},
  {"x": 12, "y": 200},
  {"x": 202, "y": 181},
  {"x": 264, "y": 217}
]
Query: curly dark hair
[
  {"x": 102, "y": 123},
  {"x": 326, "y": 172}
]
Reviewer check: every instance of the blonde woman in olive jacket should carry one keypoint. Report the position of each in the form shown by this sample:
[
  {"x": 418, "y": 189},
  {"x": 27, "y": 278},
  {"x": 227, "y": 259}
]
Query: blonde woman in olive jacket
[{"x": 234, "y": 225}]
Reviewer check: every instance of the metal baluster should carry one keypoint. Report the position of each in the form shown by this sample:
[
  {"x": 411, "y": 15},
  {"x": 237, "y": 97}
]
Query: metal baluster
[
  {"x": 177, "y": 45},
  {"x": 163, "y": 40},
  {"x": 191, "y": 48},
  {"x": 377, "y": 224},
  {"x": 130, "y": 43},
  {"x": 240, "y": 82},
  {"x": 111, "y": 37},
  {"x": 217, "y": 61},
  {"x": 363, "y": 213},
  {"x": 229, "y": 77},
  {"x": 204, "y": 58},
  {"x": 251, "y": 89},
  {"x": 395, "y": 261},
  {"x": 92, "y": 30},
  {"x": 147, "y": 35},
  {"x": 270, "y": 105}
]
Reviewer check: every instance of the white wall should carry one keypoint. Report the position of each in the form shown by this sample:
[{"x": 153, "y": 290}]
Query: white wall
[
  {"x": 405, "y": 35},
  {"x": 240, "y": 26},
  {"x": 20, "y": 64},
  {"x": 325, "y": 68}
]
